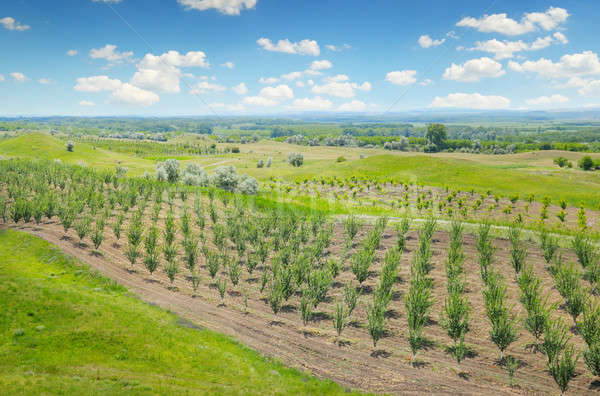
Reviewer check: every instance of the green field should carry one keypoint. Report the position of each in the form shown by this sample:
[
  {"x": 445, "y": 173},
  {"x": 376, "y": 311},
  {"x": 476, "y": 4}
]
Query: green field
[
  {"x": 523, "y": 174},
  {"x": 67, "y": 330}
]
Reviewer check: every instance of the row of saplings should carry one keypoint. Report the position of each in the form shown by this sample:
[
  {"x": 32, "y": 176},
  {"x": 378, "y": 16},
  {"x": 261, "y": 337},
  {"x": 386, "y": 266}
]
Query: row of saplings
[{"x": 298, "y": 246}]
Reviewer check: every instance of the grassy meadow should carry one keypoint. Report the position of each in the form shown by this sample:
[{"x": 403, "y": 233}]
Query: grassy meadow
[{"x": 67, "y": 330}]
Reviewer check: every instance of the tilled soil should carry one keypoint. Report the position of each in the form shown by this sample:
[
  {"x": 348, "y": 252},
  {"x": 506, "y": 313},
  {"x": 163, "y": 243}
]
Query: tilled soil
[{"x": 350, "y": 360}]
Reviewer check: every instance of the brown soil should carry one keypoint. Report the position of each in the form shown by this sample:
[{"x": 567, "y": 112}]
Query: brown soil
[{"x": 350, "y": 360}]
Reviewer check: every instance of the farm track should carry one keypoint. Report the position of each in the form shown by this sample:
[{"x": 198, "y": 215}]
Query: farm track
[{"x": 315, "y": 349}]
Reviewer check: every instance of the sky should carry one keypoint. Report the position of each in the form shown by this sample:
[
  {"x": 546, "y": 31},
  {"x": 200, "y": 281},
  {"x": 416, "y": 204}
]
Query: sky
[{"x": 269, "y": 57}]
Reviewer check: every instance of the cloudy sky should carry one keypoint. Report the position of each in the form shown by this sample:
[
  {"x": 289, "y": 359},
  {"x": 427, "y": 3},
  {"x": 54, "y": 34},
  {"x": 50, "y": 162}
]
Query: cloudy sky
[{"x": 220, "y": 57}]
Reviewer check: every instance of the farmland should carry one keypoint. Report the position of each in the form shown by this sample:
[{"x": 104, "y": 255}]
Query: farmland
[{"x": 423, "y": 295}]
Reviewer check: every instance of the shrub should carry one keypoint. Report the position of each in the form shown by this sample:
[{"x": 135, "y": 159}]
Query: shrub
[
  {"x": 340, "y": 159},
  {"x": 586, "y": 163},
  {"x": 339, "y": 318},
  {"x": 306, "y": 307},
  {"x": 194, "y": 175},
  {"x": 260, "y": 163},
  {"x": 296, "y": 159},
  {"x": 563, "y": 369},
  {"x": 556, "y": 337},
  {"x": 222, "y": 288},
  {"x": 226, "y": 177},
  {"x": 592, "y": 359},
  {"x": 98, "y": 234},
  {"x": 269, "y": 162},
  {"x": 248, "y": 185},
  {"x": 168, "y": 170},
  {"x": 375, "y": 322},
  {"x": 455, "y": 317},
  {"x": 589, "y": 326},
  {"x": 70, "y": 146},
  {"x": 584, "y": 249},
  {"x": 563, "y": 162},
  {"x": 351, "y": 295}
]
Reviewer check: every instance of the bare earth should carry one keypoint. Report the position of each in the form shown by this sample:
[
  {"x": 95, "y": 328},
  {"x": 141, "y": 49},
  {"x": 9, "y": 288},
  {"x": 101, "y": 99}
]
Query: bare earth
[{"x": 350, "y": 360}]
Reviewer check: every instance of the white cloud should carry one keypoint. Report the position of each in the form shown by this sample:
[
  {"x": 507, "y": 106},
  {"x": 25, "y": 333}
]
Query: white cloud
[
  {"x": 280, "y": 92},
  {"x": 72, "y": 52},
  {"x": 337, "y": 78},
  {"x": 229, "y": 65},
  {"x": 500, "y": 23},
  {"x": 291, "y": 76},
  {"x": 474, "y": 70},
  {"x": 570, "y": 65},
  {"x": 320, "y": 65},
  {"x": 426, "y": 82},
  {"x": 547, "y": 100},
  {"x": 402, "y": 77},
  {"x": 506, "y": 49},
  {"x": 228, "y": 7},
  {"x": 270, "y": 96},
  {"x": 2, "y": 77},
  {"x": 304, "y": 47},
  {"x": 268, "y": 80},
  {"x": 97, "y": 84},
  {"x": 87, "y": 103},
  {"x": 240, "y": 89},
  {"x": 336, "y": 48},
  {"x": 19, "y": 77},
  {"x": 316, "y": 103},
  {"x": 471, "y": 101},
  {"x": 589, "y": 88},
  {"x": 162, "y": 73},
  {"x": 355, "y": 105},
  {"x": 130, "y": 94},
  {"x": 340, "y": 87},
  {"x": 174, "y": 58},
  {"x": 110, "y": 53},
  {"x": 45, "y": 81},
  {"x": 11, "y": 24},
  {"x": 300, "y": 84},
  {"x": 561, "y": 38},
  {"x": 310, "y": 82},
  {"x": 425, "y": 41},
  {"x": 205, "y": 87}
]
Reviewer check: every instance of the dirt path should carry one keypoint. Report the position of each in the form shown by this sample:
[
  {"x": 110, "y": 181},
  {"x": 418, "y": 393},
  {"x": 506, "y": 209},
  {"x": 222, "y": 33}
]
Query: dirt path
[{"x": 315, "y": 349}]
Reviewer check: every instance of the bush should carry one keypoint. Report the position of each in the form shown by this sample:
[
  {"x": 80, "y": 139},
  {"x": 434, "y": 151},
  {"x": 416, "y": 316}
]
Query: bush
[
  {"x": 269, "y": 162},
  {"x": 563, "y": 162},
  {"x": 226, "y": 177},
  {"x": 168, "y": 170},
  {"x": 194, "y": 175},
  {"x": 260, "y": 164},
  {"x": 586, "y": 163},
  {"x": 296, "y": 159},
  {"x": 340, "y": 159},
  {"x": 70, "y": 146},
  {"x": 248, "y": 185}
]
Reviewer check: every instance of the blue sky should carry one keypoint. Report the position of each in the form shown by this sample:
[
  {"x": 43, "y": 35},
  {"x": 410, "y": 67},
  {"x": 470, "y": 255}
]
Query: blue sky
[{"x": 220, "y": 57}]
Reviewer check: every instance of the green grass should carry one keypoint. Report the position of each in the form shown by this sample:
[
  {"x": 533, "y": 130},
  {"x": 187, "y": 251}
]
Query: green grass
[
  {"x": 43, "y": 146},
  {"x": 465, "y": 174},
  {"x": 66, "y": 330}
]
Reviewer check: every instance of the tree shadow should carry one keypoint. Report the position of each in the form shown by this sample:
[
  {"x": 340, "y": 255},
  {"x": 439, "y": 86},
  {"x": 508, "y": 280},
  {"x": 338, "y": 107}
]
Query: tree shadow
[
  {"x": 366, "y": 289},
  {"x": 419, "y": 364},
  {"x": 234, "y": 293},
  {"x": 392, "y": 314},
  {"x": 276, "y": 323},
  {"x": 65, "y": 238},
  {"x": 320, "y": 316},
  {"x": 131, "y": 270},
  {"x": 380, "y": 353},
  {"x": 116, "y": 245},
  {"x": 96, "y": 253},
  {"x": 342, "y": 343},
  {"x": 337, "y": 285},
  {"x": 595, "y": 385},
  {"x": 355, "y": 323},
  {"x": 288, "y": 308},
  {"x": 151, "y": 280},
  {"x": 464, "y": 375},
  {"x": 396, "y": 295},
  {"x": 252, "y": 280}
]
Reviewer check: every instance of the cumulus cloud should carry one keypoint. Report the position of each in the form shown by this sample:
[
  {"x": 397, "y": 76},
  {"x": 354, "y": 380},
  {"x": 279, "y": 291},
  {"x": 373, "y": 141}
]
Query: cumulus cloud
[
  {"x": 132, "y": 95},
  {"x": 291, "y": 76},
  {"x": 340, "y": 87},
  {"x": 402, "y": 77},
  {"x": 321, "y": 65},
  {"x": 163, "y": 73},
  {"x": 474, "y": 70},
  {"x": 425, "y": 41},
  {"x": 72, "y": 52},
  {"x": 570, "y": 65},
  {"x": 229, "y": 65},
  {"x": 547, "y": 100},
  {"x": 87, "y": 103},
  {"x": 240, "y": 89},
  {"x": 11, "y": 24},
  {"x": 336, "y": 48},
  {"x": 471, "y": 101},
  {"x": 507, "y": 49},
  {"x": 45, "y": 81},
  {"x": 205, "y": 87},
  {"x": 304, "y": 47},
  {"x": 501, "y": 23},
  {"x": 227, "y": 7},
  {"x": 268, "y": 80},
  {"x": 300, "y": 84},
  {"x": 19, "y": 77},
  {"x": 109, "y": 52},
  {"x": 270, "y": 96},
  {"x": 315, "y": 104},
  {"x": 97, "y": 84},
  {"x": 355, "y": 105}
]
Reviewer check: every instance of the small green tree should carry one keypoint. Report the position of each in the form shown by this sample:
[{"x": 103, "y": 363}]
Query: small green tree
[{"x": 563, "y": 369}]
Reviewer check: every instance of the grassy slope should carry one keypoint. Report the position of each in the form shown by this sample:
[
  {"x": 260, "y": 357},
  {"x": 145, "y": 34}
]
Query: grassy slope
[
  {"x": 42, "y": 146},
  {"x": 97, "y": 339}
]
